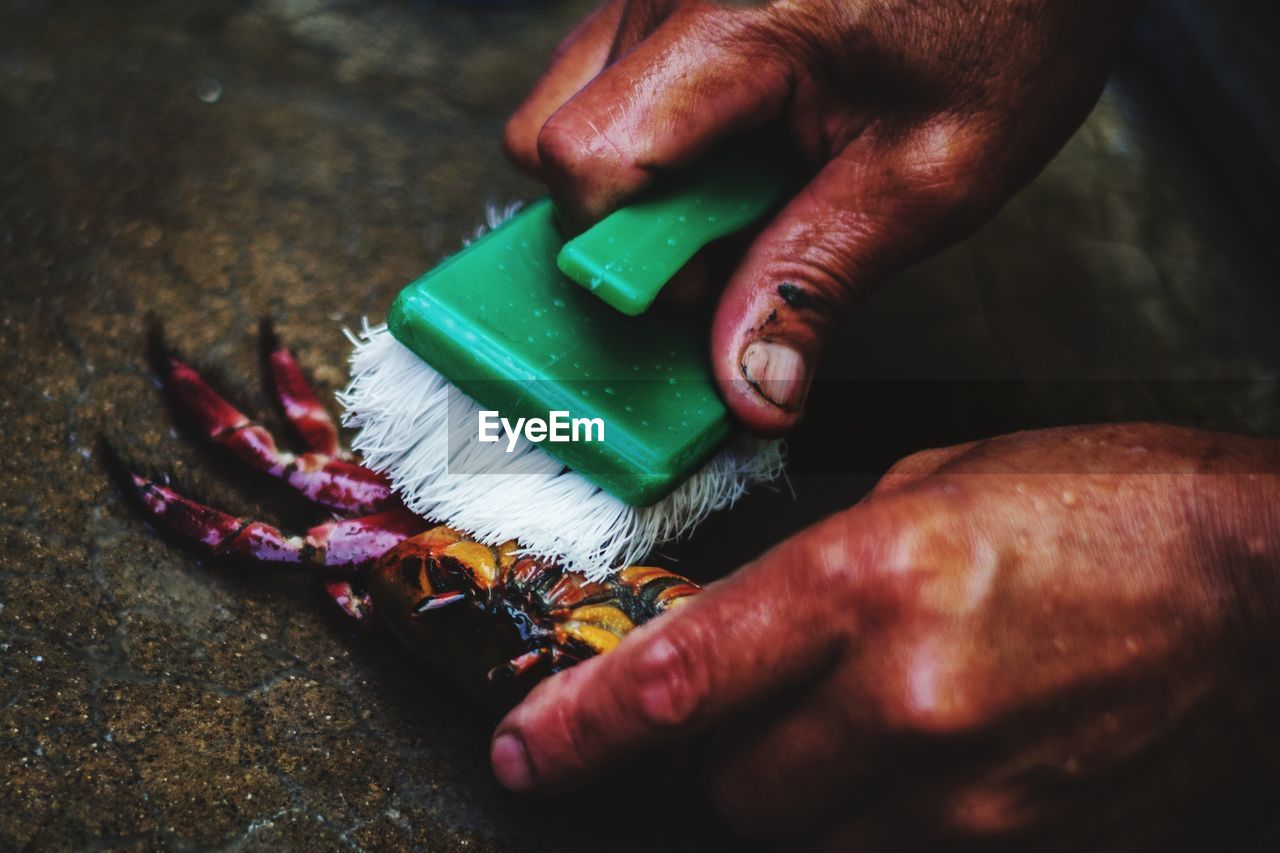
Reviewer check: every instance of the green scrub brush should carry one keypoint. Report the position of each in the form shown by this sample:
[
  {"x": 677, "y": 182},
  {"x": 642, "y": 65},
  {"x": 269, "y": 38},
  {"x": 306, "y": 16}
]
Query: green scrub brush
[{"x": 500, "y": 328}]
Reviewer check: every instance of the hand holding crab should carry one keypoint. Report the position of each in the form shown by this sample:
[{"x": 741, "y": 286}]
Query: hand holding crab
[
  {"x": 1047, "y": 638},
  {"x": 1054, "y": 639}
]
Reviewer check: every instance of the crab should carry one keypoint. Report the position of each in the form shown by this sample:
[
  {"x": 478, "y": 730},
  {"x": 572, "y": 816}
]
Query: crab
[{"x": 489, "y": 613}]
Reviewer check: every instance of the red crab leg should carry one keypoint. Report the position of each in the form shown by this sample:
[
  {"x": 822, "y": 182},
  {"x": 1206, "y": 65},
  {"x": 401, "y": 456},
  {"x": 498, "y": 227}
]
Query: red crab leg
[
  {"x": 333, "y": 483},
  {"x": 297, "y": 400},
  {"x": 521, "y": 664},
  {"x": 358, "y": 605},
  {"x": 338, "y": 547},
  {"x": 319, "y": 434}
]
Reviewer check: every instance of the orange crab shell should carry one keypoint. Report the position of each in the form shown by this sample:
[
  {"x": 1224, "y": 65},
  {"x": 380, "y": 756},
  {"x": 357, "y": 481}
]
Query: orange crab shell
[{"x": 514, "y": 609}]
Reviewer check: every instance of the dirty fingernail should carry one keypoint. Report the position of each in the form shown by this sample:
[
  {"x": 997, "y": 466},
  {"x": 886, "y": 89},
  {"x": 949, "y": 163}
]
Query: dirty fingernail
[
  {"x": 511, "y": 762},
  {"x": 776, "y": 371}
]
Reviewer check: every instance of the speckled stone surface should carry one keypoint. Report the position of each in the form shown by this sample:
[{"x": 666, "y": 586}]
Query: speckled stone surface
[{"x": 206, "y": 164}]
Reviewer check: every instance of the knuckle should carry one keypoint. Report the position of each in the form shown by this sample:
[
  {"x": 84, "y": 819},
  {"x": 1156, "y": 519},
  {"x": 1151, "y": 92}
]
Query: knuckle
[
  {"x": 901, "y": 546},
  {"x": 672, "y": 682},
  {"x": 921, "y": 547},
  {"x": 944, "y": 169},
  {"x": 585, "y": 168},
  {"x": 947, "y": 716},
  {"x": 920, "y": 462},
  {"x": 578, "y": 144},
  {"x": 836, "y": 254},
  {"x": 562, "y": 144},
  {"x": 928, "y": 698},
  {"x": 913, "y": 469}
]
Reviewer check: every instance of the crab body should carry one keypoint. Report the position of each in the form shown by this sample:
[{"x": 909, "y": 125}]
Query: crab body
[
  {"x": 490, "y": 614},
  {"x": 458, "y": 601}
]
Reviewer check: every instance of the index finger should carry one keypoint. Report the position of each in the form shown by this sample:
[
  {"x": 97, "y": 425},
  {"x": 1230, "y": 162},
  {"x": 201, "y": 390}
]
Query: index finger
[
  {"x": 579, "y": 58},
  {"x": 703, "y": 76},
  {"x": 766, "y": 628}
]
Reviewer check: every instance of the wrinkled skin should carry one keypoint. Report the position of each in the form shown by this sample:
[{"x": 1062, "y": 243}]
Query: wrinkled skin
[
  {"x": 1059, "y": 639},
  {"x": 919, "y": 118}
]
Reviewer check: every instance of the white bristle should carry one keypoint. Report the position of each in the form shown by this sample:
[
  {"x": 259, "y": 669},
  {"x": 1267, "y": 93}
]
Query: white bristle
[
  {"x": 493, "y": 217},
  {"x": 406, "y": 412}
]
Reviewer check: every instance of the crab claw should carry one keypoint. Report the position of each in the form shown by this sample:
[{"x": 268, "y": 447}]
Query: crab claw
[
  {"x": 340, "y": 547},
  {"x": 320, "y": 477},
  {"x": 287, "y": 384}
]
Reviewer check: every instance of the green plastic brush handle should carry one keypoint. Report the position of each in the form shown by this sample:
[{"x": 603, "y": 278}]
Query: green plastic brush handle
[{"x": 630, "y": 255}]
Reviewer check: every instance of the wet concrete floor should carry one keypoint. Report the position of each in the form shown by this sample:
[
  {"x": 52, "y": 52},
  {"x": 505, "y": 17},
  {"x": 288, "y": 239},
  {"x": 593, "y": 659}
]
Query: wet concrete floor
[{"x": 211, "y": 163}]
